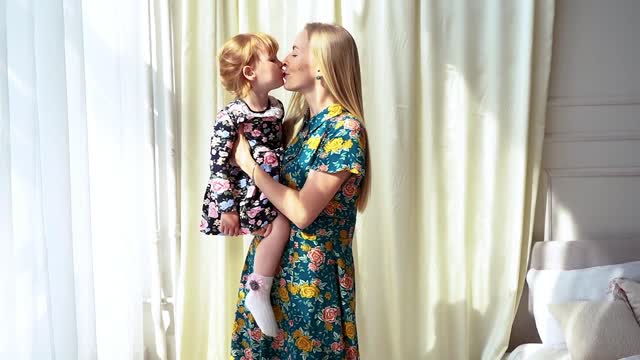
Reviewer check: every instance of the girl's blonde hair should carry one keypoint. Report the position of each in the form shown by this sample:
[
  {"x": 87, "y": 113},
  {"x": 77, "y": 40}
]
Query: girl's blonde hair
[
  {"x": 238, "y": 52},
  {"x": 335, "y": 52}
]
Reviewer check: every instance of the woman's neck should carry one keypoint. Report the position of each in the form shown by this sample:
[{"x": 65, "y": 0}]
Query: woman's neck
[
  {"x": 256, "y": 102},
  {"x": 318, "y": 100}
]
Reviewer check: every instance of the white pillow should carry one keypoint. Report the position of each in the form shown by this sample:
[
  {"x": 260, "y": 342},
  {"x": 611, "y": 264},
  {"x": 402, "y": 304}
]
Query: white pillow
[
  {"x": 560, "y": 286},
  {"x": 597, "y": 330}
]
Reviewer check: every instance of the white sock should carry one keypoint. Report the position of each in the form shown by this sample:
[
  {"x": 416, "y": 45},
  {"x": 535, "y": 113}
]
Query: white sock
[{"x": 258, "y": 301}]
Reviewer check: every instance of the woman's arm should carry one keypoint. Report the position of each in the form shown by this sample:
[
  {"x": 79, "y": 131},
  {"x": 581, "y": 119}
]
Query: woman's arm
[{"x": 301, "y": 207}]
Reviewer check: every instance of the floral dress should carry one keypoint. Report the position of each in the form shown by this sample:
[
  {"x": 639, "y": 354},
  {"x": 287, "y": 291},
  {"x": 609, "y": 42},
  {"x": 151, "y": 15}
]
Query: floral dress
[
  {"x": 230, "y": 189},
  {"x": 313, "y": 293}
]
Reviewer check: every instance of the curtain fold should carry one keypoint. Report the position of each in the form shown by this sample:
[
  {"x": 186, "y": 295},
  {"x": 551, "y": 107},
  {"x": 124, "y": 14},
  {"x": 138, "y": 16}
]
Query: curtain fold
[
  {"x": 205, "y": 286},
  {"x": 460, "y": 139},
  {"x": 88, "y": 180}
]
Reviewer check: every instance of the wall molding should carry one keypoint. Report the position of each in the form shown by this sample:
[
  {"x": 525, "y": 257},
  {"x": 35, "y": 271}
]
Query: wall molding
[
  {"x": 550, "y": 174},
  {"x": 548, "y": 208},
  {"x": 584, "y": 136},
  {"x": 604, "y": 100},
  {"x": 592, "y": 172}
]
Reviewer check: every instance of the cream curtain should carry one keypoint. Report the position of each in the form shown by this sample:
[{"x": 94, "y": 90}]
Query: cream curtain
[
  {"x": 455, "y": 94},
  {"x": 87, "y": 180}
]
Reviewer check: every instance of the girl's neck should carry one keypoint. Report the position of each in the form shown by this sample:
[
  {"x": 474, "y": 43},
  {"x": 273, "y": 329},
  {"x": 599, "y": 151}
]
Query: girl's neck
[{"x": 256, "y": 102}]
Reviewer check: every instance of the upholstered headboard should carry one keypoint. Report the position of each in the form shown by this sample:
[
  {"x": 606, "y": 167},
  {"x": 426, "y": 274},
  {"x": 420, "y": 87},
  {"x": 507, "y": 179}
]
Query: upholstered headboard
[{"x": 568, "y": 255}]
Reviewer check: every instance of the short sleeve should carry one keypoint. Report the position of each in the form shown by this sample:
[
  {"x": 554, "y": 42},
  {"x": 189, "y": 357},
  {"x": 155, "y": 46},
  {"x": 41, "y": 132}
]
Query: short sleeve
[{"x": 342, "y": 148}]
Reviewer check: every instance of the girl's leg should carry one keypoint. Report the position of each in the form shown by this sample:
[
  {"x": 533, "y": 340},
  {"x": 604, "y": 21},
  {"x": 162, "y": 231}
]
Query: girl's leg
[
  {"x": 267, "y": 258},
  {"x": 269, "y": 252}
]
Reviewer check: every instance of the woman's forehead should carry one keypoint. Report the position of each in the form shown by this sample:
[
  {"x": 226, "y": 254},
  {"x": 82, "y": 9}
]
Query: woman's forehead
[{"x": 301, "y": 40}]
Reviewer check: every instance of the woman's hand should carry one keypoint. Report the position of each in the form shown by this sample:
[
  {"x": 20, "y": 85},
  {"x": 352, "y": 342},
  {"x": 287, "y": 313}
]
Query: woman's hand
[
  {"x": 242, "y": 154},
  {"x": 265, "y": 231}
]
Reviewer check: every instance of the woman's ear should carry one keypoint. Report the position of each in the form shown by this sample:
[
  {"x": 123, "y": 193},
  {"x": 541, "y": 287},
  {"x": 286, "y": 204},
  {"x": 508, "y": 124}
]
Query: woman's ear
[{"x": 248, "y": 73}]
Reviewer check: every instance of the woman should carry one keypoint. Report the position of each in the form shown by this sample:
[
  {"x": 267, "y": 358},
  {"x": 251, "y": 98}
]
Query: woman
[{"x": 327, "y": 179}]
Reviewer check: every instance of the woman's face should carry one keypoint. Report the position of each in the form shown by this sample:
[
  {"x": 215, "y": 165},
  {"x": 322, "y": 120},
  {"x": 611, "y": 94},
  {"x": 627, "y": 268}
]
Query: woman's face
[{"x": 299, "y": 73}]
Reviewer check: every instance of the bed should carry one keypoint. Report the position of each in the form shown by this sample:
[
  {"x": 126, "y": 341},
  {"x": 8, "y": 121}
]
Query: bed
[{"x": 563, "y": 255}]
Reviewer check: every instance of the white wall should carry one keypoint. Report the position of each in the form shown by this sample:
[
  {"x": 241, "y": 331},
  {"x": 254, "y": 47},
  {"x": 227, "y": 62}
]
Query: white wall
[
  {"x": 591, "y": 154},
  {"x": 590, "y": 185}
]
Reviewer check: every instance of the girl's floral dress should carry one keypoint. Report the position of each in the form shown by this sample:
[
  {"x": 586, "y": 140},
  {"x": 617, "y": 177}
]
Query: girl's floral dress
[
  {"x": 230, "y": 189},
  {"x": 313, "y": 294}
]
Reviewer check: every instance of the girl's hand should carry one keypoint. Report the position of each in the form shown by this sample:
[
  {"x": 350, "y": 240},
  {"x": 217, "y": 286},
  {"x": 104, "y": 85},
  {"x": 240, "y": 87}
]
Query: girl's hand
[
  {"x": 230, "y": 223},
  {"x": 242, "y": 154}
]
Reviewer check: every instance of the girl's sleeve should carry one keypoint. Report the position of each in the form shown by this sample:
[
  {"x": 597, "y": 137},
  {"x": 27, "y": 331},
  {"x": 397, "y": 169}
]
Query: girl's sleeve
[
  {"x": 342, "y": 148},
  {"x": 224, "y": 135}
]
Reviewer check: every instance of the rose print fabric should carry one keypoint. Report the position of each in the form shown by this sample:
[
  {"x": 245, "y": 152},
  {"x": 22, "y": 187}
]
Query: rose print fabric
[
  {"x": 229, "y": 188},
  {"x": 313, "y": 295}
]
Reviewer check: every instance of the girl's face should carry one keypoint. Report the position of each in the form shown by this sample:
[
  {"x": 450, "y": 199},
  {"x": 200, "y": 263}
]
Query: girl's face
[
  {"x": 299, "y": 72},
  {"x": 268, "y": 71}
]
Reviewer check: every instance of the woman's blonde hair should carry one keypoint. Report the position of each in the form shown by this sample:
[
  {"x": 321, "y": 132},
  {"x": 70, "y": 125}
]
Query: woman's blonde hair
[
  {"x": 335, "y": 52},
  {"x": 238, "y": 52}
]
